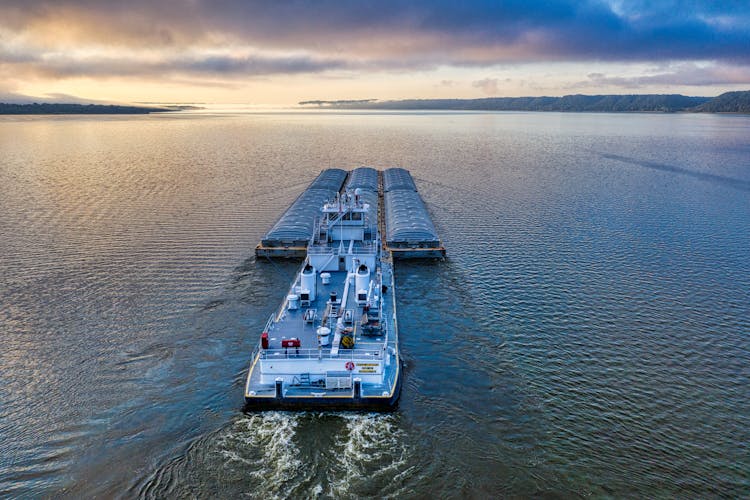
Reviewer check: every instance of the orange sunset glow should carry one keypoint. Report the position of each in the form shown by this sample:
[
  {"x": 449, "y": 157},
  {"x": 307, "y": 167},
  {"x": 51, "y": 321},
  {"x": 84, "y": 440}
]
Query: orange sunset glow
[{"x": 279, "y": 53}]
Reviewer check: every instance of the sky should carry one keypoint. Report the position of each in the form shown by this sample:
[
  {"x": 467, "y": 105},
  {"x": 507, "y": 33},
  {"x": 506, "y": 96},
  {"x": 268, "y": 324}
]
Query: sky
[{"x": 281, "y": 52}]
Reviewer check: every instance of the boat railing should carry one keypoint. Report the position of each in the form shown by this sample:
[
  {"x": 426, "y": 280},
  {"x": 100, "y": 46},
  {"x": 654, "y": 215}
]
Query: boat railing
[
  {"x": 360, "y": 353},
  {"x": 269, "y": 323},
  {"x": 320, "y": 250},
  {"x": 315, "y": 232},
  {"x": 368, "y": 248},
  {"x": 330, "y": 250}
]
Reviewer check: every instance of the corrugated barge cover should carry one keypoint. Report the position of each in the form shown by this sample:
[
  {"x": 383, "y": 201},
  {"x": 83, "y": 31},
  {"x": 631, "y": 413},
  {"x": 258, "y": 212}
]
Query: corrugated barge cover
[
  {"x": 365, "y": 178},
  {"x": 330, "y": 179},
  {"x": 398, "y": 178},
  {"x": 407, "y": 222},
  {"x": 295, "y": 227}
]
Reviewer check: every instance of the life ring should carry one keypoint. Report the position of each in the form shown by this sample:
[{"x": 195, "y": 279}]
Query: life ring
[{"x": 350, "y": 365}]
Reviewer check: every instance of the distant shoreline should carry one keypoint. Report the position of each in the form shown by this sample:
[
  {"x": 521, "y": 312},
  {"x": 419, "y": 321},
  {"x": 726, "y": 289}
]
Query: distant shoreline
[
  {"x": 80, "y": 109},
  {"x": 729, "y": 102}
]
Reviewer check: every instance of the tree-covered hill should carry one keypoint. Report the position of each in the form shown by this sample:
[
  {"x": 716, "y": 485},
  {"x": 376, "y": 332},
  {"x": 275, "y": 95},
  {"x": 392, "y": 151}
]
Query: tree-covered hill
[
  {"x": 729, "y": 102},
  {"x": 738, "y": 102},
  {"x": 78, "y": 109}
]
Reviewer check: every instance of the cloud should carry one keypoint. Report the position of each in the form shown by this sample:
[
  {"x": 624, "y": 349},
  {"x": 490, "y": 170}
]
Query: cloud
[
  {"x": 688, "y": 74},
  {"x": 133, "y": 64},
  {"x": 488, "y": 85},
  {"x": 65, "y": 38},
  {"x": 16, "y": 98},
  {"x": 255, "y": 65}
]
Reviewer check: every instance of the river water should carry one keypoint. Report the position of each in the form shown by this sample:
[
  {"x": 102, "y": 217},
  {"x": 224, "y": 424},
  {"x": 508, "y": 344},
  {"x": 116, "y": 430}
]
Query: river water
[{"x": 588, "y": 334}]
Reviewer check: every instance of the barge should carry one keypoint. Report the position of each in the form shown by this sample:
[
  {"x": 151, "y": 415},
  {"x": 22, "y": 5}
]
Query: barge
[{"x": 333, "y": 342}]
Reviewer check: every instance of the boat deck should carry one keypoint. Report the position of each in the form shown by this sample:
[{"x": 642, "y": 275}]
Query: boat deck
[
  {"x": 290, "y": 324},
  {"x": 368, "y": 349}
]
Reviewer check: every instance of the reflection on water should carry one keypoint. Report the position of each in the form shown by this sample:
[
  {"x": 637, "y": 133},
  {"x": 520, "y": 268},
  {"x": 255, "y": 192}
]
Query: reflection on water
[
  {"x": 729, "y": 181},
  {"x": 587, "y": 334}
]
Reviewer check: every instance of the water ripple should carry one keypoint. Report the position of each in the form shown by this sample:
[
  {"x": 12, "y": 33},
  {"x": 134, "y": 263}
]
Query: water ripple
[{"x": 587, "y": 335}]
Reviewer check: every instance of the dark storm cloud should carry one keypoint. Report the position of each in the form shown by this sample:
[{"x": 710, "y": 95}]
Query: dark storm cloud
[
  {"x": 213, "y": 65},
  {"x": 255, "y": 65},
  {"x": 391, "y": 34}
]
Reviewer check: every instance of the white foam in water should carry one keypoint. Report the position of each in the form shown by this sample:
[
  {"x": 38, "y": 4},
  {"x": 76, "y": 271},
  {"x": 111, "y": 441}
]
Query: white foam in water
[
  {"x": 373, "y": 454},
  {"x": 263, "y": 447}
]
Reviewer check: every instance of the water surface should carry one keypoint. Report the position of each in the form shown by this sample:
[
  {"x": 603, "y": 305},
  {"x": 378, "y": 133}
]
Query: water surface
[{"x": 588, "y": 334}]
